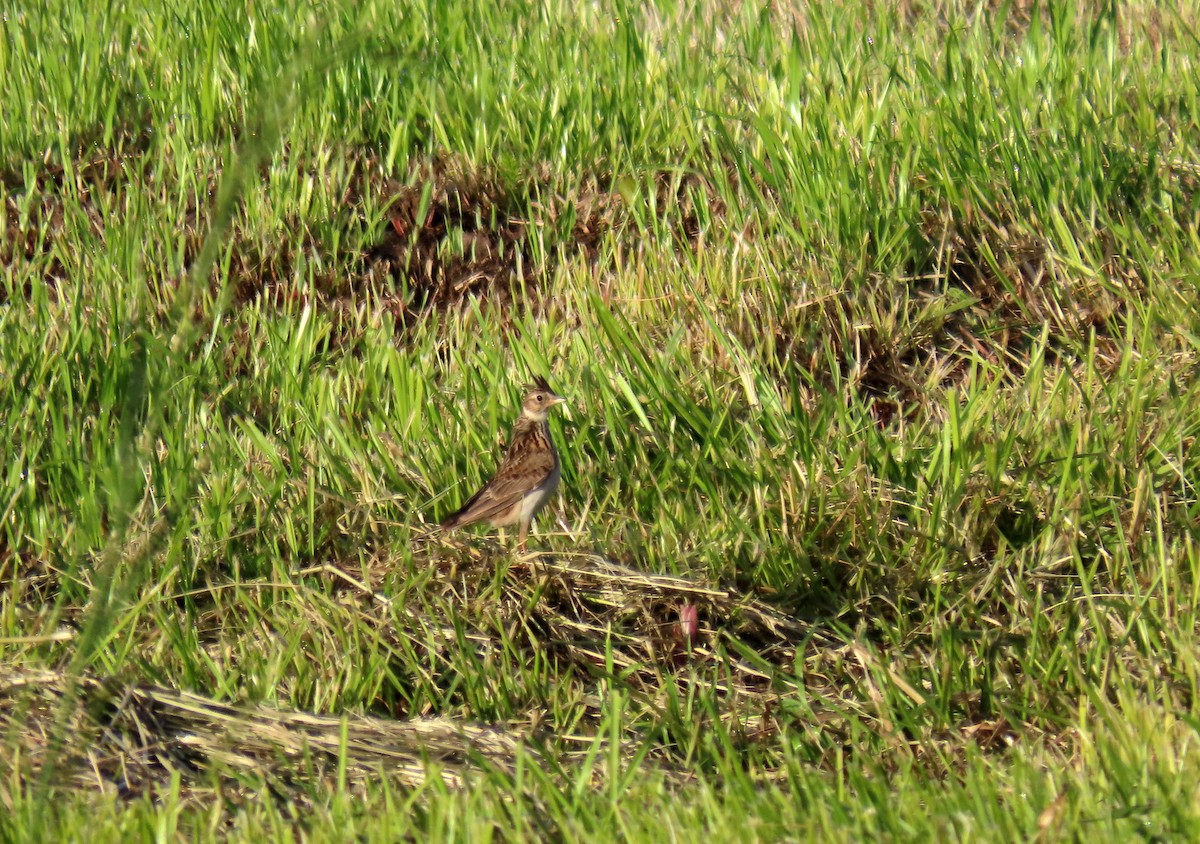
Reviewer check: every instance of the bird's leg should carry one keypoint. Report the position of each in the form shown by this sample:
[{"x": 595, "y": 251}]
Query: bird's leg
[{"x": 522, "y": 534}]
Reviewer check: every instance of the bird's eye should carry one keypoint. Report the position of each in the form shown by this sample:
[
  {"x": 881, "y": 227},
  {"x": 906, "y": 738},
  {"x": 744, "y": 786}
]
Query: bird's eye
[{"x": 539, "y": 398}]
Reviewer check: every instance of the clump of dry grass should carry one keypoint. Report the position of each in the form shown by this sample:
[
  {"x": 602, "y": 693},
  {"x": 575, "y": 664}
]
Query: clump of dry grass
[
  {"x": 132, "y": 738},
  {"x": 594, "y": 614},
  {"x": 597, "y": 619}
]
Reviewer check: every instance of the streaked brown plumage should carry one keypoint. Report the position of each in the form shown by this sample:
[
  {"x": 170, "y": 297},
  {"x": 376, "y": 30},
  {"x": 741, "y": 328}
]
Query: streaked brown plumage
[{"x": 527, "y": 475}]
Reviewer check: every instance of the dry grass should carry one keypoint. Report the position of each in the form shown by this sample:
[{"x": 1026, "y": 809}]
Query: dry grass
[
  {"x": 132, "y": 739},
  {"x": 585, "y": 611}
]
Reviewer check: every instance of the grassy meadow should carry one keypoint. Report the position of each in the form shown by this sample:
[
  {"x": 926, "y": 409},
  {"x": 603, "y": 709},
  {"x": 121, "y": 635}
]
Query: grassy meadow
[{"x": 880, "y": 328}]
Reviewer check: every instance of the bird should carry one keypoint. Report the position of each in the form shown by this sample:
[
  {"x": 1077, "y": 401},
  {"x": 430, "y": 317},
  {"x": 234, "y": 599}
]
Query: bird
[{"x": 527, "y": 475}]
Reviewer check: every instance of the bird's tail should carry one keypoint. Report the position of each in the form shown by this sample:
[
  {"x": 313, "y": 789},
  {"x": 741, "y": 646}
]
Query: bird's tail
[{"x": 459, "y": 518}]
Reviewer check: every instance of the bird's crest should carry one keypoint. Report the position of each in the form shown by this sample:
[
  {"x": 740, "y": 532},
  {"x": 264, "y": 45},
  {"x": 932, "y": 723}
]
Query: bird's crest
[{"x": 539, "y": 383}]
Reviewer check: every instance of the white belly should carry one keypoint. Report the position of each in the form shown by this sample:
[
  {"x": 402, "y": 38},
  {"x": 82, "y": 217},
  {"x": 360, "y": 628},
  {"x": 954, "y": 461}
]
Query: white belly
[{"x": 537, "y": 499}]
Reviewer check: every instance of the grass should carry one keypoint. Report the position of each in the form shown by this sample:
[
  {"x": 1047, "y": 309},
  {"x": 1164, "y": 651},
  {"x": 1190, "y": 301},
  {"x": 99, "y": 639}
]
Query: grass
[{"x": 880, "y": 331}]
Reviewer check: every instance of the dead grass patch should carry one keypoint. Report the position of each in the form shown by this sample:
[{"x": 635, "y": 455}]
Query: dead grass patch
[
  {"x": 589, "y": 612},
  {"x": 36, "y": 211},
  {"x": 132, "y": 738}
]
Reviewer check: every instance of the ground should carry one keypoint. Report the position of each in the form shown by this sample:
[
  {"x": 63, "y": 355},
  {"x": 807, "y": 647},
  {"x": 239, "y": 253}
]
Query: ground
[{"x": 879, "y": 328}]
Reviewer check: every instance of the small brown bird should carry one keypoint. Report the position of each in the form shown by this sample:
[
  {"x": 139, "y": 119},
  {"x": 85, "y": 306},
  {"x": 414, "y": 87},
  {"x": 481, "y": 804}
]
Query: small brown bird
[{"x": 527, "y": 475}]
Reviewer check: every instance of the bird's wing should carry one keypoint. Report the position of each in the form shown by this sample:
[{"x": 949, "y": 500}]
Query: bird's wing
[{"x": 520, "y": 473}]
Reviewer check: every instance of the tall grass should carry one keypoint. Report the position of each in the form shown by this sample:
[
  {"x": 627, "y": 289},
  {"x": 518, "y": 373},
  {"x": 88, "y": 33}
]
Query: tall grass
[{"x": 884, "y": 316}]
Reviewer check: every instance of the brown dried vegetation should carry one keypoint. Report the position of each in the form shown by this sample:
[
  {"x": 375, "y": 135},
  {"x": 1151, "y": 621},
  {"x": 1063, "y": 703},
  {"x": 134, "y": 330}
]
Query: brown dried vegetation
[
  {"x": 35, "y": 212},
  {"x": 597, "y": 622}
]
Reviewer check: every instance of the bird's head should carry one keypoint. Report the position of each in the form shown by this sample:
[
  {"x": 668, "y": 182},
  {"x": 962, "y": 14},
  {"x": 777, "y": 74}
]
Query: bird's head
[{"x": 539, "y": 398}]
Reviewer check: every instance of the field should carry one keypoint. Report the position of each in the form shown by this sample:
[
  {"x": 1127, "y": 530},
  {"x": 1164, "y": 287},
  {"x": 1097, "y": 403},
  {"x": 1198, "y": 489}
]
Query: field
[{"x": 880, "y": 328}]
